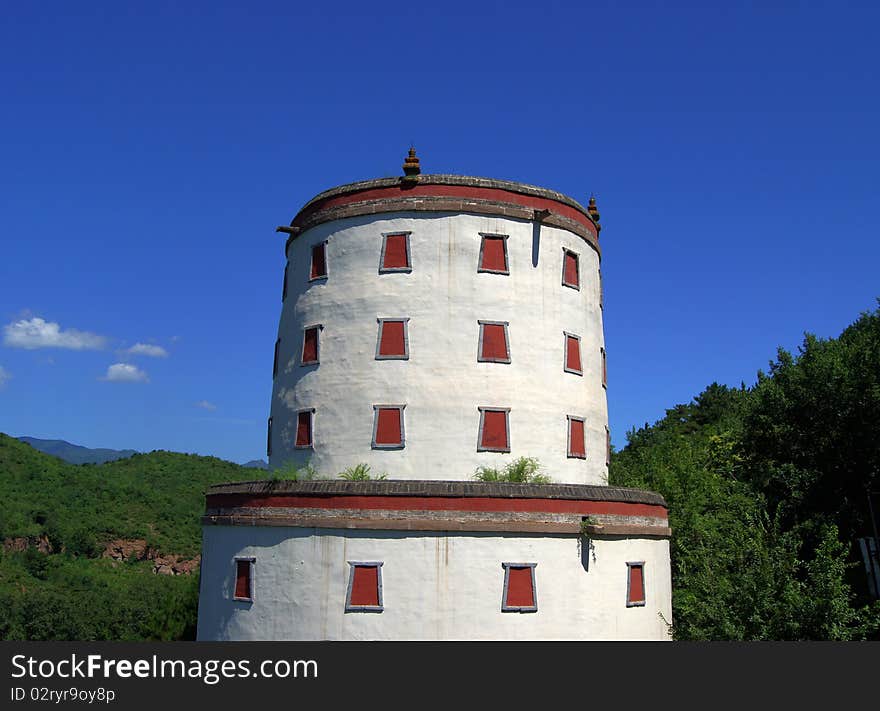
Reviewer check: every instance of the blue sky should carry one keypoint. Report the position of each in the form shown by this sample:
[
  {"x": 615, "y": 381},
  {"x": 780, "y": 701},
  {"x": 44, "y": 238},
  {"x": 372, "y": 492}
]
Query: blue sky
[{"x": 150, "y": 149}]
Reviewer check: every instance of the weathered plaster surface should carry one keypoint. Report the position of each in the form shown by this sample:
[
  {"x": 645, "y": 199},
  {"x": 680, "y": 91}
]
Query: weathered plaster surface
[
  {"x": 441, "y": 383},
  {"x": 436, "y": 586}
]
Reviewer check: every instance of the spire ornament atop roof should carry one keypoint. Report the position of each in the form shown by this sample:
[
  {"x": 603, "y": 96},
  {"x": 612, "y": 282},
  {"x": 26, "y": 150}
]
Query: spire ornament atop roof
[
  {"x": 411, "y": 167},
  {"x": 594, "y": 212}
]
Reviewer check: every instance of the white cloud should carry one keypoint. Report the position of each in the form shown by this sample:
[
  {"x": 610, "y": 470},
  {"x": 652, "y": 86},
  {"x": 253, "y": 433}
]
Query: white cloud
[
  {"x": 5, "y": 375},
  {"x": 37, "y": 333},
  {"x": 205, "y": 405},
  {"x": 125, "y": 373},
  {"x": 146, "y": 349}
]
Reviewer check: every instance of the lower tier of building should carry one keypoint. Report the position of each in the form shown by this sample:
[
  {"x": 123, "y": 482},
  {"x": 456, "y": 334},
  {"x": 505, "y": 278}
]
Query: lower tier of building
[{"x": 412, "y": 560}]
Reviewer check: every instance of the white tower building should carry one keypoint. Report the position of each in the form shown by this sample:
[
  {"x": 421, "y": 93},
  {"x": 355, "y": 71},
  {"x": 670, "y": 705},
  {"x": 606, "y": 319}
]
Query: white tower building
[{"x": 431, "y": 325}]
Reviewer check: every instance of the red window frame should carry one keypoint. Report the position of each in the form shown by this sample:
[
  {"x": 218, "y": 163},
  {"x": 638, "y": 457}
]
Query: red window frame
[
  {"x": 494, "y": 344},
  {"x": 385, "y": 348},
  {"x": 604, "y": 368},
  {"x": 571, "y": 274},
  {"x": 520, "y": 592},
  {"x": 318, "y": 269},
  {"x": 364, "y": 592},
  {"x": 305, "y": 429},
  {"x": 490, "y": 244},
  {"x": 244, "y": 580},
  {"x": 573, "y": 352},
  {"x": 577, "y": 437},
  {"x": 311, "y": 352},
  {"x": 635, "y": 584},
  {"x": 490, "y": 417},
  {"x": 607, "y": 446},
  {"x": 269, "y": 437},
  {"x": 395, "y": 245},
  {"x": 385, "y": 423}
]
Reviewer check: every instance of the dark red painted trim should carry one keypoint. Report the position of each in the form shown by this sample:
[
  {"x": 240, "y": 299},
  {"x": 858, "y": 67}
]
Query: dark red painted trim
[
  {"x": 435, "y": 503},
  {"x": 456, "y": 191}
]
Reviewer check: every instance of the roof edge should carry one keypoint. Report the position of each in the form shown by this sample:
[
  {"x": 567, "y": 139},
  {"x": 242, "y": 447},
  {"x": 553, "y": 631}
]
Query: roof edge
[
  {"x": 459, "y": 489},
  {"x": 447, "y": 179}
]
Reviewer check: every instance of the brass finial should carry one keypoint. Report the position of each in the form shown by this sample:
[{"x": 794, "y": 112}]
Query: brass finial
[
  {"x": 593, "y": 211},
  {"x": 411, "y": 163}
]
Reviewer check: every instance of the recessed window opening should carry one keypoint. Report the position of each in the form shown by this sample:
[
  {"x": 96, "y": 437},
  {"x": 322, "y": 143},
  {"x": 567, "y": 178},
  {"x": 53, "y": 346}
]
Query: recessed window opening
[
  {"x": 576, "y": 444},
  {"x": 388, "y": 431},
  {"x": 607, "y": 446},
  {"x": 395, "y": 255},
  {"x": 364, "y": 587},
  {"x": 573, "y": 354},
  {"x": 319, "y": 262},
  {"x": 392, "y": 342},
  {"x": 493, "y": 254},
  {"x": 604, "y": 369},
  {"x": 494, "y": 435},
  {"x": 311, "y": 348},
  {"x": 304, "y": 425},
  {"x": 519, "y": 588},
  {"x": 570, "y": 269},
  {"x": 635, "y": 584},
  {"x": 494, "y": 346},
  {"x": 269, "y": 438},
  {"x": 244, "y": 579}
]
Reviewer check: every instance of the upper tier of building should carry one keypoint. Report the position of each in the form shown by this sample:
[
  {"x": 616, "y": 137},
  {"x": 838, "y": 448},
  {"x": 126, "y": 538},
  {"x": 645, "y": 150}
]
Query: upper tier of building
[{"x": 432, "y": 325}]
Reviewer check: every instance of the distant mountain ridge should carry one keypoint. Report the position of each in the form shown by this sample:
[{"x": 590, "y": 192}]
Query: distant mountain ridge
[
  {"x": 256, "y": 464},
  {"x": 77, "y": 454},
  {"x": 74, "y": 453}
]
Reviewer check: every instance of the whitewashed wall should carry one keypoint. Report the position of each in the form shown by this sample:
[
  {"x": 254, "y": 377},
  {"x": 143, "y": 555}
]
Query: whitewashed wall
[
  {"x": 435, "y": 586},
  {"x": 442, "y": 384}
]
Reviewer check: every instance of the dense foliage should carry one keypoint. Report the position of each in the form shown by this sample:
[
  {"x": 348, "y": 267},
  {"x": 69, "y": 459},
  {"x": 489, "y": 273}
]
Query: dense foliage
[
  {"x": 59, "y": 586},
  {"x": 45, "y": 597},
  {"x": 767, "y": 492}
]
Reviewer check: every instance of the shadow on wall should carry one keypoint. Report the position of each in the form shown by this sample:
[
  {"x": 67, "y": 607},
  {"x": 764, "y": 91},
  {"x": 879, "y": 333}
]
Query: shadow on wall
[{"x": 536, "y": 242}]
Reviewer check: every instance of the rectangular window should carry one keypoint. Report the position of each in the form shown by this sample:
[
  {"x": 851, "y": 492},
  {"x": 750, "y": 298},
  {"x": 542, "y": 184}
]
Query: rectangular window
[
  {"x": 601, "y": 292},
  {"x": 494, "y": 346},
  {"x": 311, "y": 346},
  {"x": 275, "y": 361},
  {"x": 284, "y": 285},
  {"x": 573, "y": 354},
  {"x": 269, "y": 438},
  {"x": 604, "y": 369},
  {"x": 635, "y": 584},
  {"x": 576, "y": 446},
  {"x": 388, "y": 430},
  {"x": 392, "y": 342},
  {"x": 395, "y": 253},
  {"x": 494, "y": 430},
  {"x": 319, "y": 262},
  {"x": 607, "y": 446},
  {"x": 493, "y": 254},
  {"x": 244, "y": 579},
  {"x": 304, "y": 426},
  {"x": 519, "y": 588},
  {"x": 570, "y": 269},
  {"x": 364, "y": 587}
]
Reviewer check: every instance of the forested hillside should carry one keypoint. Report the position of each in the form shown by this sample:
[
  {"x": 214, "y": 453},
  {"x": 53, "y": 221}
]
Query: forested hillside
[
  {"x": 104, "y": 551},
  {"x": 767, "y": 488}
]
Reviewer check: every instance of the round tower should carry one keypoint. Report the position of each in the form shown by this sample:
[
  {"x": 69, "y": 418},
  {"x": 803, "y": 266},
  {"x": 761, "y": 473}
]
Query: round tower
[{"x": 432, "y": 325}]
